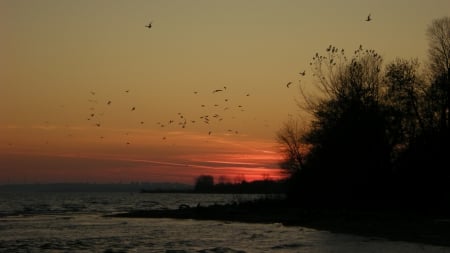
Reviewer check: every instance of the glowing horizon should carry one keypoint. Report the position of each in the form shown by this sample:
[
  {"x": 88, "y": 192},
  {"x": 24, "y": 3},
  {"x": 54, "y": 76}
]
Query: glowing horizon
[
  {"x": 141, "y": 160},
  {"x": 88, "y": 93}
]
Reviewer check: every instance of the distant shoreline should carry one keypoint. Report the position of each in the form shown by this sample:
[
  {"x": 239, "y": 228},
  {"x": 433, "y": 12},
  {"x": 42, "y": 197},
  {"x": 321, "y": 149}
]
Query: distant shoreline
[
  {"x": 396, "y": 226},
  {"x": 97, "y": 187}
]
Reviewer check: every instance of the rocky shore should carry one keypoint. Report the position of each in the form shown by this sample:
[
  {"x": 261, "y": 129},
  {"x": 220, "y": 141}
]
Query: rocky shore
[{"x": 417, "y": 227}]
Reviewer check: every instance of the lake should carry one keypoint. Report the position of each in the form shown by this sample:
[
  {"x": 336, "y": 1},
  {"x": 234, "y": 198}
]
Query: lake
[{"x": 75, "y": 222}]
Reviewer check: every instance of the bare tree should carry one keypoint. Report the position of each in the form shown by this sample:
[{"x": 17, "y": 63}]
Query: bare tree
[
  {"x": 348, "y": 150},
  {"x": 439, "y": 55},
  {"x": 438, "y": 33},
  {"x": 404, "y": 94},
  {"x": 289, "y": 136}
]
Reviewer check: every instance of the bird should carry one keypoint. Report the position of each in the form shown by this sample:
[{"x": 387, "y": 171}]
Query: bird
[
  {"x": 109, "y": 102},
  {"x": 368, "y": 18},
  {"x": 149, "y": 25},
  {"x": 303, "y": 73},
  {"x": 134, "y": 108},
  {"x": 288, "y": 84},
  {"x": 214, "y": 91}
]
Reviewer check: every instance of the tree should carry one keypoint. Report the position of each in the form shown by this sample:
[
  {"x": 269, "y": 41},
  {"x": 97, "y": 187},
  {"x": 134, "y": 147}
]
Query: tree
[
  {"x": 423, "y": 166},
  {"x": 204, "y": 183},
  {"x": 375, "y": 132},
  {"x": 349, "y": 153},
  {"x": 438, "y": 33},
  {"x": 404, "y": 101},
  {"x": 289, "y": 136}
]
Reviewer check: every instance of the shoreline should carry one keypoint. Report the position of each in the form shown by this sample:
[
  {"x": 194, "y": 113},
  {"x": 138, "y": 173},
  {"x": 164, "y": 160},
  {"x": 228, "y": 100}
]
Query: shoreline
[{"x": 394, "y": 226}]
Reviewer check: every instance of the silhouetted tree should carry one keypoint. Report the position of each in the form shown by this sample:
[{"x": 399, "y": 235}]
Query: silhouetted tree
[
  {"x": 376, "y": 134},
  {"x": 438, "y": 33},
  {"x": 349, "y": 154},
  {"x": 424, "y": 166},
  {"x": 204, "y": 183},
  {"x": 289, "y": 136},
  {"x": 404, "y": 101}
]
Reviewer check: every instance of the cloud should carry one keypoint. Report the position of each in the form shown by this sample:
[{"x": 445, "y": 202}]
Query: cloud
[{"x": 84, "y": 156}]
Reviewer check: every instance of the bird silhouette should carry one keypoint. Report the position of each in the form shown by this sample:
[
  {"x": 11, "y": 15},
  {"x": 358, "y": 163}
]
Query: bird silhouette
[
  {"x": 368, "y": 18},
  {"x": 303, "y": 73},
  {"x": 288, "y": 84},
  {"x": 149, "y": 25},
  {"x": 214, "y": 91}
]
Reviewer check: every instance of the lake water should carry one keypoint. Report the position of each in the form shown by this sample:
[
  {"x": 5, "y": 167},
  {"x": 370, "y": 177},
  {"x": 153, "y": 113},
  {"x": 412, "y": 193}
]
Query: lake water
[{"x": 75, "y": 222}]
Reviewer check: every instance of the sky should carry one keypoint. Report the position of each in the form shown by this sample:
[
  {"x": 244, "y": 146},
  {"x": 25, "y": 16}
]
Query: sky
[{"x": 89, "y": 94}]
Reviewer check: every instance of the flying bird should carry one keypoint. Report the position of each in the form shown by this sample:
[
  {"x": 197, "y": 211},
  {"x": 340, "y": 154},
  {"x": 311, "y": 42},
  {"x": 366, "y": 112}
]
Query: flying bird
[
  {"x": 303, "y": 73},
  {"x": 149, "y": 25},
  {"x": 368, "y": 18},
  {"x": 214, "y": 91},
  {"x": 288, "y": 84}
]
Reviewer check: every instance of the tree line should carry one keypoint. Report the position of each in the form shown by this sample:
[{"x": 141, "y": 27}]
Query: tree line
[
  {"x": 378, "y": 134},
  {"x": 206, "y": 184}
]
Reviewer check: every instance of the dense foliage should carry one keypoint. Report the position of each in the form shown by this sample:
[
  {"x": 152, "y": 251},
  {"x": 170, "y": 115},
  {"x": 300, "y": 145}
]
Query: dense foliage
[{"x": 379, "y": 134}]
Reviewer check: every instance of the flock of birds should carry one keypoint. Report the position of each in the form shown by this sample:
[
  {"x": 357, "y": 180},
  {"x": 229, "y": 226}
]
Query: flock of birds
[
  {"x": 219, "y": 107},
  {"x": 210, "y": 114},
  {"x": 181, "y": 120}
]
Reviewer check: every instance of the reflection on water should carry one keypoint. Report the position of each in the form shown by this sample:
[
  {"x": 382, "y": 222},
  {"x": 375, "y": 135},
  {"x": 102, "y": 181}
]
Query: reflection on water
[{"x": 74, "y": 223}]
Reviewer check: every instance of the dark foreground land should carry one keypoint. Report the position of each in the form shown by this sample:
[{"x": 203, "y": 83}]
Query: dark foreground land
[{"x": 420, "y": 227}]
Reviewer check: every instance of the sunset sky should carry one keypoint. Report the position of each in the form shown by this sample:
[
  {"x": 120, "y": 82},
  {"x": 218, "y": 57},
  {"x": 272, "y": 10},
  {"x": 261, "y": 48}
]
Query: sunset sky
[{"x": 89, "y": 94}]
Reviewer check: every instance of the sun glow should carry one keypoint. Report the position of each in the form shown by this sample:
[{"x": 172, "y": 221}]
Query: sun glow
[{"x": 122, "y": 155}]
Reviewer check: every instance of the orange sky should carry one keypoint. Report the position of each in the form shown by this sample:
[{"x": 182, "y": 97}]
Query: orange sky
[{"x": 61, "y": 62}]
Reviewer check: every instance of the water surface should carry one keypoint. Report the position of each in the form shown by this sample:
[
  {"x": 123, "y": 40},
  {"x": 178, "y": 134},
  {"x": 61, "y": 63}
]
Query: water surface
[{"x": 75, "y": 222}]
